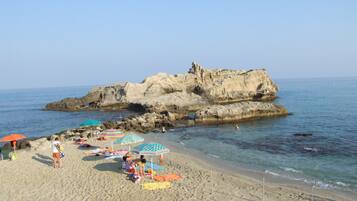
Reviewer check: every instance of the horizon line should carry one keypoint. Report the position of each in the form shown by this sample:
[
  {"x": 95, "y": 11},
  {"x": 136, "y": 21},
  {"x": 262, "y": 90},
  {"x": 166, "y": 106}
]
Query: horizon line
[{"x": 94, "y": 85}]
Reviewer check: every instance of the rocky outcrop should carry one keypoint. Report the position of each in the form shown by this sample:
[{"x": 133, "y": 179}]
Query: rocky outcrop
[
  {"x": 212, "y": 95},
  {"x": 177, "y": 93},
  {"x": 144, "y": 123},
  {"x": 238, "y": 112}
]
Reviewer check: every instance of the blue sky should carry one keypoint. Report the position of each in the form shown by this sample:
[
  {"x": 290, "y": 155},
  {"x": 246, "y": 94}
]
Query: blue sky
[{"x": 70, "y": 43}]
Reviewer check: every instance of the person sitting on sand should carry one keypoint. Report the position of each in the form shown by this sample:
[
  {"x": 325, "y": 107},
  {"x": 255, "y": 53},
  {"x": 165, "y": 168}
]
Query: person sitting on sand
[
  {"x": 80, "y": 140},
  {"x": 108, "y": 151},
  {"x": 133, "y": 173},
  {"x": 124, "y": 164},
  {"x": 161, "y": 159},
  {"x": 142, "y": 164},
  {"x": 56, "y": 153}
]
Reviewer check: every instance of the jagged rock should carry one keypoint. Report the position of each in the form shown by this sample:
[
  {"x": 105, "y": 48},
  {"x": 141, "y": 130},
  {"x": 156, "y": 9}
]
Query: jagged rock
[
  {"x": 177, "y": 93},
  {"x": 238, "y": 111},
  {"x": 143, "y": 123}
]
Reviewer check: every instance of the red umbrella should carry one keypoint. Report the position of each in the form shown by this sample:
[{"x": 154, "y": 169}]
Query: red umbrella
[{"x": 12, "y": 137}]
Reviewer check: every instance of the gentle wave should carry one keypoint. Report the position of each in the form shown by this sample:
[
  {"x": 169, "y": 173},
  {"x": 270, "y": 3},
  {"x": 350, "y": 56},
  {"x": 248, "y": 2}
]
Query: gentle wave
[
  {"x": 318, "y": 184},
  {"x": 310, "y": 149},
  {"x": 212, "y": 155},
  {"x": 291, "y": 170},
  {"x": 342, "y": 184}
]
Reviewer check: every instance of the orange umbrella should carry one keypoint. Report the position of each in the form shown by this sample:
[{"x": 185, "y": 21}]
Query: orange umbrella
[{"x": 12, "y": 137}]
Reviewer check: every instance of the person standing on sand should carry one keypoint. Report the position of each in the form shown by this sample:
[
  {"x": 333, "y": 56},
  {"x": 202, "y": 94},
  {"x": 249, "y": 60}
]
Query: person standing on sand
[
  {"x": 13, "y": 145},
  {"x": 56, "y": 153}
]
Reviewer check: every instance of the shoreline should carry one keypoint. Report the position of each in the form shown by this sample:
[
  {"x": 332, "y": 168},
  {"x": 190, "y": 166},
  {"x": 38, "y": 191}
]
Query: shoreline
[
  {"x": 253, "y": 174},
  {"x": 202, "y": 179}
]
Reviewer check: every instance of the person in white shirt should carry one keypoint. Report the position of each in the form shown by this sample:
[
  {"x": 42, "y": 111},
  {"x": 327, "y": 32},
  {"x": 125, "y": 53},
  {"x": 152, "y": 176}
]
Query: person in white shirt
[{"x": 56, "y": 153}]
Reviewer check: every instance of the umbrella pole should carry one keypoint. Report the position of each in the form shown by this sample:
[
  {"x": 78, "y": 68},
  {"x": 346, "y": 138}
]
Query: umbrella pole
[{"x": 152, "y": 169}]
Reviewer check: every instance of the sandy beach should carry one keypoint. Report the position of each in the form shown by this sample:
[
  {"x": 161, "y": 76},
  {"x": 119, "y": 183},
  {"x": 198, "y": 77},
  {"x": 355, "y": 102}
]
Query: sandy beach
[{"x": 31, "y": 177}]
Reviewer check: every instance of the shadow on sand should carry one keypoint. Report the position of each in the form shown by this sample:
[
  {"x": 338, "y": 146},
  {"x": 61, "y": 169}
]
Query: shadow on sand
[
  {"x": 87, "y": 148},
  {"x": 93, "y": 158},
  {"x": 43, "y": 159},
  {"x": 113, "y": 167}
]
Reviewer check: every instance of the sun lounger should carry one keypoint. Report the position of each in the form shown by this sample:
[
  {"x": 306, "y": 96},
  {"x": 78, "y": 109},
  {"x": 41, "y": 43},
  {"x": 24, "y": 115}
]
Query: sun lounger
[{"x": 156, "y": 185}]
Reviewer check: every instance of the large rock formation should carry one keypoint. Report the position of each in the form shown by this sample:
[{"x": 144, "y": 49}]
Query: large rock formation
[
  {"x": 177, "y": 93},
  {"x": 238, "y": 112}
]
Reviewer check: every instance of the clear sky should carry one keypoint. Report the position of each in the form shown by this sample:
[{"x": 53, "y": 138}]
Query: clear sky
[{"x": 70, "y": 43}]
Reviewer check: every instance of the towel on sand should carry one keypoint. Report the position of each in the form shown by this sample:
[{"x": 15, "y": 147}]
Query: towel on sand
[
  {"x": 156, "y": 185},
  {"x": 167, "y": 177}
]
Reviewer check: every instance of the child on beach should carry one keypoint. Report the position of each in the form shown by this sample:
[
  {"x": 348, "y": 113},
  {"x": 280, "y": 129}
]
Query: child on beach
[
  {"x": 133, "y": 173},
  {"x": 56, "y": 153},
  {"x": 142, "y": 164}
]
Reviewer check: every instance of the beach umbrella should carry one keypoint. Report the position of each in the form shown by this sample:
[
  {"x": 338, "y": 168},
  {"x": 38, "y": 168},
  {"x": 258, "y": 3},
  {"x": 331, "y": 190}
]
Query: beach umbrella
[
  {"x": 91, "y": 122},
  {"x": 151, "y": 149},
  {"x": 12, "y": 137},
  {"x": 111, "y": 133},
  {"x": 129, "y": 139}
]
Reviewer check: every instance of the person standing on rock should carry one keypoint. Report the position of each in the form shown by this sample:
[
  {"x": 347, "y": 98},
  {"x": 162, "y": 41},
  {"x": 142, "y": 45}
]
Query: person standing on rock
[{"x": 56, "y": 147}]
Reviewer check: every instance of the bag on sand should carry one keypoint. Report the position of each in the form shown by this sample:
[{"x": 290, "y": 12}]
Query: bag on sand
[{"x": 12, "y": 156}]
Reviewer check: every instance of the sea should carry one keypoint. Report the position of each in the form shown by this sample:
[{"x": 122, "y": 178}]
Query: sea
[{"x": 315, "y": 144}]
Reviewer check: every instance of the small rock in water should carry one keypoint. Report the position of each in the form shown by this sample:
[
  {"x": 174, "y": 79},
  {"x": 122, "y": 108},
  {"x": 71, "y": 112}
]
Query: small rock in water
[{"x": 303, "y": 134}]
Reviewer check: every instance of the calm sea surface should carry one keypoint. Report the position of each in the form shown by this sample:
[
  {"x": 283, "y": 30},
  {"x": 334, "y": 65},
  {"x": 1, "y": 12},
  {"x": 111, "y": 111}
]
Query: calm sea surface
[{"x": 325, "y": 108}]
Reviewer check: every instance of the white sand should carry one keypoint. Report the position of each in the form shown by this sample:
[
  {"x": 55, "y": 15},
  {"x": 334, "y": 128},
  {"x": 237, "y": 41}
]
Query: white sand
[{"x": 31, "y": 177}]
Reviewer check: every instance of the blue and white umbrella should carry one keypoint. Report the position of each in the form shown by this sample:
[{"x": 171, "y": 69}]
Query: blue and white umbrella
[{"x": 152, "y": 149}]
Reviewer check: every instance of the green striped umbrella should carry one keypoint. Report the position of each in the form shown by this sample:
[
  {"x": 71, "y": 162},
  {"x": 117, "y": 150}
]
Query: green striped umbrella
[{"x": 111, "y": 133}]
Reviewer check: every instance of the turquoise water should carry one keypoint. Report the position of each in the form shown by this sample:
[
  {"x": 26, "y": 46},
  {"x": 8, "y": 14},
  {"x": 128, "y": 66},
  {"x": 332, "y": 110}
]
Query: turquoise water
[{"x": 325, "y": 108}]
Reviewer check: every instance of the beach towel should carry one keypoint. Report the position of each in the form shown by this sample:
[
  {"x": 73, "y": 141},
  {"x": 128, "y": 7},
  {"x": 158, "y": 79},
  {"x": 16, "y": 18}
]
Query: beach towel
[
  {"x": 156, "y": 185},
  {"x": 167, "y": 177}
]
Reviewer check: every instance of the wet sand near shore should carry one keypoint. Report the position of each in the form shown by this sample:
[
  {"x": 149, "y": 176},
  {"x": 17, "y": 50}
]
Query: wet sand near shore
[{"x": 31, "y": 177}]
